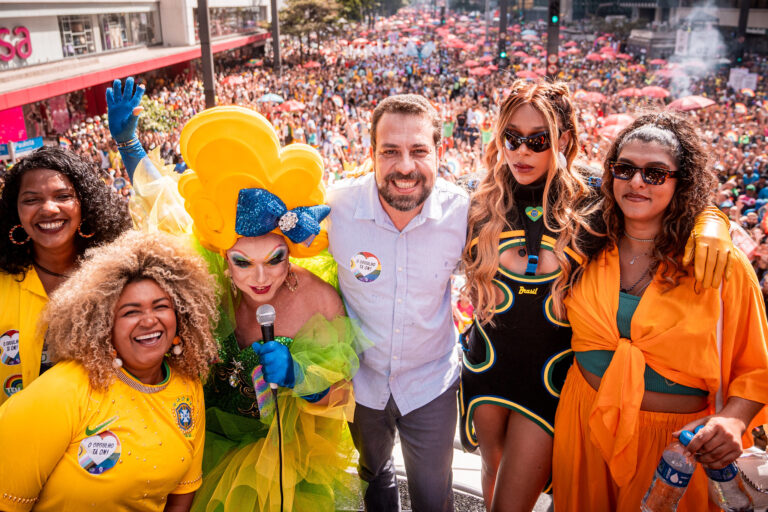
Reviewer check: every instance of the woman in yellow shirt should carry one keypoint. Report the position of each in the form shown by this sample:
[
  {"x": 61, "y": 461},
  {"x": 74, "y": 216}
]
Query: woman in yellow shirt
[
  {"x": 53, "y": 208},
  {"x": 655, "y": 353},
  {"x": 119, "y": 423}
]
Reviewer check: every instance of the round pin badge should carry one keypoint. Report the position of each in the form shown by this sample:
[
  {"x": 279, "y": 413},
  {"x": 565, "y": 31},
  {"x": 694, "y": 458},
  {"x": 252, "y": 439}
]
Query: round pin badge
[
  {"x": 9, "y": 348},
  {"x": 12, "y": 384},
  {"x": 99, "y": 453},
  {"x": 365, "y": 266}
]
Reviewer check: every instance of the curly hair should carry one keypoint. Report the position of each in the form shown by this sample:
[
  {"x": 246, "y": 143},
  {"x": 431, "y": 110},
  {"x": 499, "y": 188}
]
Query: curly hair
[
  {"x": 80, "y": 313},
  {"x": 103, "y": 213},
  {"x": 493, "y": 202},
  {"x": 693, "y": 192}
]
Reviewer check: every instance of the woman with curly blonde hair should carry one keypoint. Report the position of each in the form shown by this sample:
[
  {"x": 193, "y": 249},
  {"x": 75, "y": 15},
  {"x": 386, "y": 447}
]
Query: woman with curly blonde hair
[
  {"x": 119, "y": 422},
  {"x": 655, "y": 353},
  {"x": 532, "y": 223}
]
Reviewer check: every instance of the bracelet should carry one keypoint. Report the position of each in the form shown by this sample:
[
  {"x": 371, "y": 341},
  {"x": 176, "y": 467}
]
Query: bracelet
[{"x": 133, "y": 141}]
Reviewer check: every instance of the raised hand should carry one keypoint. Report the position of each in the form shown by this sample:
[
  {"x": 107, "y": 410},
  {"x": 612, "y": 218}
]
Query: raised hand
[{"x": 123, "y": 109}]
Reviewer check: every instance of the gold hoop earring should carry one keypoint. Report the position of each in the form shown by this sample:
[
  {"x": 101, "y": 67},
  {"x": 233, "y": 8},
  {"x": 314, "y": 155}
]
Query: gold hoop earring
[
  {"x": 80, "y": 232},
  {"x": 291, "y": 281},
  {"x": 13, "y": 239}
]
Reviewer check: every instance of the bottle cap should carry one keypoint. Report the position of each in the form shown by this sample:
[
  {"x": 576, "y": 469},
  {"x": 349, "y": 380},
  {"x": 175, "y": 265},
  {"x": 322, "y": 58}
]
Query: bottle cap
[
  {"x": 696, "y": 430},
  {"x": 685, "y": 437}
]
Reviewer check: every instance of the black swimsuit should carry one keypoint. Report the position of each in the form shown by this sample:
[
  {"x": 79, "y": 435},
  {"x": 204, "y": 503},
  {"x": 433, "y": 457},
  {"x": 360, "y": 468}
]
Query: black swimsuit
[{"x": 521, "y": 361}]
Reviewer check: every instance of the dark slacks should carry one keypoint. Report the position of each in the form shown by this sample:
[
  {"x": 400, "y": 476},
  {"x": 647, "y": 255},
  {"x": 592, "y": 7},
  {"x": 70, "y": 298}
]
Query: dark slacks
[{"x": 426, "y": 437}]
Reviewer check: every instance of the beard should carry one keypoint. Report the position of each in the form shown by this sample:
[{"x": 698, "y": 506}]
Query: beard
[{"x": 404, "y": 203}]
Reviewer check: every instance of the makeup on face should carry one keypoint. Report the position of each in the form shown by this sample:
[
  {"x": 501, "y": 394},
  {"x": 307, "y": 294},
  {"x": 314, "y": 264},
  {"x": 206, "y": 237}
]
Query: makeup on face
[{"x": 259, "y": 265}]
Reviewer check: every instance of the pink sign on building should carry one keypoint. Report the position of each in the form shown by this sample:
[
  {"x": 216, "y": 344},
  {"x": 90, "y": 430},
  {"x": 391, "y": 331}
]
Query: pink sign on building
[{"x": 12, "y": 127}]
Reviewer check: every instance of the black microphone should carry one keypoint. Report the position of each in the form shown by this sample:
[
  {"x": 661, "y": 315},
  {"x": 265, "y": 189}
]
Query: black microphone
[{"x": 265, "y": 315}]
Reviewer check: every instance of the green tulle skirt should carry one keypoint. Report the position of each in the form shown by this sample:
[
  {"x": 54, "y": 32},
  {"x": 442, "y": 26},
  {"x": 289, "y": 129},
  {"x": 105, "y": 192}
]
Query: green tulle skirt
[{"x": 241, "y": 457}]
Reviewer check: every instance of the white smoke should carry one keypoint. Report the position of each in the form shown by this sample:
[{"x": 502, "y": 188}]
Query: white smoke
[{"x": 699, "y": 48}]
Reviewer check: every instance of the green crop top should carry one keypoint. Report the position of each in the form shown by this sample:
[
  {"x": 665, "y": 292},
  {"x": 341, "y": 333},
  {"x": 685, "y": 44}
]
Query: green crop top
[{"x": 597, "y": 361}]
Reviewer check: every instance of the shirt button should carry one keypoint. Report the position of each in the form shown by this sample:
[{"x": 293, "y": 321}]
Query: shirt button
[
  {"x": 399, "y": 301},
  {"x": 394, "y": 357},
  {"x": 397, "y": 330},
  {"x": 399, "y": 269}
]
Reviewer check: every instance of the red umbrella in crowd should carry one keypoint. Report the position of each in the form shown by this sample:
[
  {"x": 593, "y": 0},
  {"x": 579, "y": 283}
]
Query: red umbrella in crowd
[
  {"x": 594, "y": 97},
  {"x": 492, "y": 67},
  {"x": 623, "y": 56},
  {"x": 360, "y": 41},
  {"x": 573, "y": 51},
  {"x": 571, "y": 44},
  {"x": 292, "y": 106},
  {"x": 486, "y": 58},
  {"x": 479, "y": 71},
  {"x": 595, "y": 57},
  {"x": 531, "y": 60},
  {"x": 607, "y": 49},
  {"x": 657, "y": 62},
  {"x": 520, "y": 54},
  {"x": 654, "y": 91},
  {"x": 528, "y": 75},
  {"x": 690, "y": 103},
  {"x": 622, "y": 120},
  {"x": 629, "y": 92},
  {"x": 471, "y": 63},
  {"x": 313, "y": 64},
  {"x": 540, "y": 71},
  {"x": 518, "y": 44},
  {"x": 610, "y": 132}
]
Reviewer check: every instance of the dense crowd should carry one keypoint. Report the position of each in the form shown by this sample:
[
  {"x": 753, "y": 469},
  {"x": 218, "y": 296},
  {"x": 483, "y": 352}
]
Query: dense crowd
[{"x": 326, "y": 93}]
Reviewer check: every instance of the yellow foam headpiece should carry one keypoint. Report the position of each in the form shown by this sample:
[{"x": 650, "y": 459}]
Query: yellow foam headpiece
[{"x": 228, "y": 149}]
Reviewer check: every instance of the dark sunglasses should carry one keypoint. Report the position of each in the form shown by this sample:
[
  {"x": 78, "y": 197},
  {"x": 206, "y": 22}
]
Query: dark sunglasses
[
  {"x": 650, "y": 175},
  {"x": 537, "y": 142}
]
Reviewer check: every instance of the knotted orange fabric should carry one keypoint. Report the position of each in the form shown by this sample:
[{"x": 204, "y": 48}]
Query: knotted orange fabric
[{"x": 675, "y": 333}]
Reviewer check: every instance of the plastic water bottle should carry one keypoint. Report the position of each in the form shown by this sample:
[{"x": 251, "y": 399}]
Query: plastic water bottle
[
  {"x": 726, "y": 488},
  {"x": 671, "y": 477}
]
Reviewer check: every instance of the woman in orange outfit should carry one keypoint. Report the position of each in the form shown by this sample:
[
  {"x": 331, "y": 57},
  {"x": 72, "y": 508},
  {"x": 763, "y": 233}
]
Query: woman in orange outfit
[{"x": 654, "y": 352}]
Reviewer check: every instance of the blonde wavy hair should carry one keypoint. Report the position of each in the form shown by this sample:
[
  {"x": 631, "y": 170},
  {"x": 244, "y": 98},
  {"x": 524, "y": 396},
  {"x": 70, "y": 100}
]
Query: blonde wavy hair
[
  {"x": 81, "y": 312},
  {"x": 493, "y": 202}
]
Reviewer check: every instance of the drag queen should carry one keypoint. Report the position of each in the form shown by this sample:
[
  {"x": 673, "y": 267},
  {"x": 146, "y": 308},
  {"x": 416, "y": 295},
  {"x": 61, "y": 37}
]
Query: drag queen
[{"x": 253, "y": 205}]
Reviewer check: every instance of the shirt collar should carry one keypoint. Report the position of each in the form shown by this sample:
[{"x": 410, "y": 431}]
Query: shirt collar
[
  {"x": 369, "y": 205},
  {"x": 32, "y": 283}
]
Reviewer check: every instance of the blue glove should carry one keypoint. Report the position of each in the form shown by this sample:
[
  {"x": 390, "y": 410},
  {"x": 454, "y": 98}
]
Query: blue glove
[
  {"x": 276, "y": 363},
  {"x": 123, "y": 115},
  {"x": 123, "y": 109},
  {"x": 316, "y": 397}
]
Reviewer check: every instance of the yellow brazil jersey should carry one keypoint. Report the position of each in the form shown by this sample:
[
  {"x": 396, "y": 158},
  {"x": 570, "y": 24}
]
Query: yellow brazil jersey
[
  {"x": 67, "y": 447},
  {"x": 21, "y": 342}
]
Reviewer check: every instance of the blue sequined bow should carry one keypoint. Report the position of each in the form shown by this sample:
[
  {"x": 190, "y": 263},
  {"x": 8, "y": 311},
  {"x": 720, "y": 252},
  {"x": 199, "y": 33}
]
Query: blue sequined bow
[{"x": 260, "y": 211}]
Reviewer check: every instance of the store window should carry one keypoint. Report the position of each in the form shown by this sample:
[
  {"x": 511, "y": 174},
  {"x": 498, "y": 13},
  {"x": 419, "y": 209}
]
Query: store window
[
  {"x": 233, "y": 20},
  {"x": 114, "y": 33},
  {"x": 121, "y": 30},
  {"x": 76, "y": 35}
]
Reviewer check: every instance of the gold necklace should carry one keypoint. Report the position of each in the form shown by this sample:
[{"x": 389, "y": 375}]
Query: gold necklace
[{"x": 139, "y": 386}]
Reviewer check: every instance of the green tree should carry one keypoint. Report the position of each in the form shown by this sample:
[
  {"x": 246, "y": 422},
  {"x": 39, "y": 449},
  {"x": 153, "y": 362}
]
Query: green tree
[{"x": 300, "y": 18}]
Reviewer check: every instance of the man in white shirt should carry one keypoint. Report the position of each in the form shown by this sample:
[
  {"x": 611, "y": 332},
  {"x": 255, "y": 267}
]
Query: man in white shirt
[{"x": 397, "y": 235}]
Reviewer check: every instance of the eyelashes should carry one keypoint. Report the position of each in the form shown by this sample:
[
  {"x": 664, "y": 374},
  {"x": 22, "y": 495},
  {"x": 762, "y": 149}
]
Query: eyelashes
[{"x": 278, "y": 257}]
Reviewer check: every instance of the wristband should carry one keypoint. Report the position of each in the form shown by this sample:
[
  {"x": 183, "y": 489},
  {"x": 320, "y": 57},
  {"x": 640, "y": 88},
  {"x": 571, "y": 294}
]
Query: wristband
[{"x": 133, "y": 141}]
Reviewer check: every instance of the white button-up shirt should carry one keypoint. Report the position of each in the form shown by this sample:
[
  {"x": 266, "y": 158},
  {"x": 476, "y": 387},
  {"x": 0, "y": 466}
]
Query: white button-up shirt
[{"x": 396, "y": 284}]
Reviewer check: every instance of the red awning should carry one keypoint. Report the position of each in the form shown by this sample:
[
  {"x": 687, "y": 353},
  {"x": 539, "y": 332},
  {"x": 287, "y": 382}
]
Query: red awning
[{"x": 105, "y": 75}]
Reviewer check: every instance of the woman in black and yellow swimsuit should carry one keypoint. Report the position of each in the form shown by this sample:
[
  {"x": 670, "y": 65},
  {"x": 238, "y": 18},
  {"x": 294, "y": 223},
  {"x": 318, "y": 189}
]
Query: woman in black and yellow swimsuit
[{"x": 532, "y": 224}]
